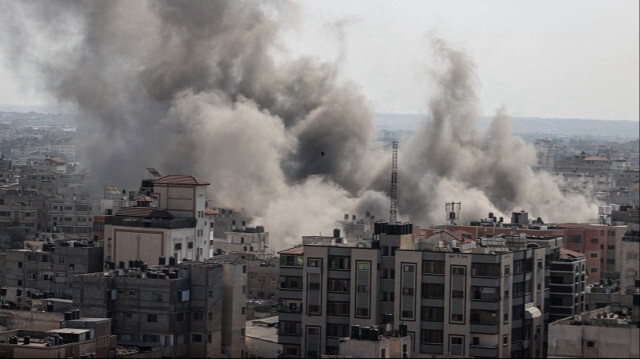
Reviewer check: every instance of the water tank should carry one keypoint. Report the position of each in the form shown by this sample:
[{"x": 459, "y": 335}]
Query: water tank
[
  {"x": 374, "y": 334},
  {"x": 132, "y": 263},
  {"x": 13, "y": 340},
  {"x": 143, "y": 266},
  {"x": 162, "y": 261},
  {"x": 355, "y": 331},
  {"x": 172, "y": 261},
  {"x": 26, "y": 340},
  {"x": 336, "y": 233},
  {"x": 364, "y": 333},
  {"x": 403, "y": 329},
  {"x": 68, "y": 316}
]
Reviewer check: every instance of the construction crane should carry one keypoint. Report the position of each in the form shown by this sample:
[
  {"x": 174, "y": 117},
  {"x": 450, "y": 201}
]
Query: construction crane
[{"x": 394, "y": 184}]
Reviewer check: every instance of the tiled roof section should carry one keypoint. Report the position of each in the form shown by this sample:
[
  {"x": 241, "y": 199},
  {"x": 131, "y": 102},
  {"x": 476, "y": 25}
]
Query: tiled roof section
[
  {"x": 569, "y": 254},
  {"x": 297, "y": 250},
  {"x": 143, "y": 212},
  {"x": 181, "y": 180},
  {"x": 143, "y": 198},
  {"x": 210, "y": 211}
]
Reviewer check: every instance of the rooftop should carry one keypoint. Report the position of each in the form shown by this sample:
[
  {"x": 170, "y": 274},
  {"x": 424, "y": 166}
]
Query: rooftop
[
  {"x": 181, "y": 180},
  {"x": 143, "y": 212},
  {"x": 297, "y": 250}
]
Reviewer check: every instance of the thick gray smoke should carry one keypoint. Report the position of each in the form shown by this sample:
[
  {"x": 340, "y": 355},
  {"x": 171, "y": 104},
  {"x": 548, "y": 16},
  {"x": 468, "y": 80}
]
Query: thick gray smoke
[{"x": 194, "y": 87}]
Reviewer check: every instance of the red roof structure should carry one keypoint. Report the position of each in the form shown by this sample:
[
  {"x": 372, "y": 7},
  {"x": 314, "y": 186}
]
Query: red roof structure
[
  {"x": 181, "y": 180},
  {"x": 297, "y": 250}
]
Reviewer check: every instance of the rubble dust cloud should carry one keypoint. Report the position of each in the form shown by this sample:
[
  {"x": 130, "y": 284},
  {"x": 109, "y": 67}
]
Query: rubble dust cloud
[{"x": 195, "y": 88}]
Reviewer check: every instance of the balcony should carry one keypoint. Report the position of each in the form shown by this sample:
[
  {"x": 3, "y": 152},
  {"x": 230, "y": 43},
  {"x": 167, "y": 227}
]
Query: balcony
[{"x": 484, "y": 351}]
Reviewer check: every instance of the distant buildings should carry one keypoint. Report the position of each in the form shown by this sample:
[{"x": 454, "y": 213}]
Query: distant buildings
[
  {"x": 46, "y": 269},
  {"x": 76, "y": 338}
]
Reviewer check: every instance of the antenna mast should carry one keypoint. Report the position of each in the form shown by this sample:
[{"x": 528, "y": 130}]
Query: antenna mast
[
  {"x": 453, "y": 212},
  {"x": 394, "y": 184}
]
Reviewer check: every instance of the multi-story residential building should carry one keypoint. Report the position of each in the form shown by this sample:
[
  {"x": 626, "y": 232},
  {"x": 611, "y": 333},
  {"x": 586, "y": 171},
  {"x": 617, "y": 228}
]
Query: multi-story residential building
[
  {"x": 228, "y": 220},
  {"x": 486, "y": 298},
  {"x": 46, "y": 272},
  {"x": 567, "y": 285},
  {"x": 177, "y": 308},
  {"x": 253, "y": 240},
  {"x": 262, "y": 277},
  {"x": 180, "y": 226},
  {"x": 76, "y": 338},
  {"x": 596, "y": 241},
  {"x": 71, "y": 215}
]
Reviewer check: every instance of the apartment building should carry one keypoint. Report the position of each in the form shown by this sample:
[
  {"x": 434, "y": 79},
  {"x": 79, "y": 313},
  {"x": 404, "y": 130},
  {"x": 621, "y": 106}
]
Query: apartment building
[
  {"x": 180, "y": 226},
  {"x": 253, "y": 240},
  {"x": 181, "y": 310},
  {"x": 47, "y": 271},
  {"x": 488, "y": 298},
  {"x": 567, "y": 285}
]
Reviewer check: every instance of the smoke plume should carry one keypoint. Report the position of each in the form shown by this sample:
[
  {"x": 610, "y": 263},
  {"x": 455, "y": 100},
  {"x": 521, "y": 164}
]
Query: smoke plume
[{"x": 195, "y": 88}]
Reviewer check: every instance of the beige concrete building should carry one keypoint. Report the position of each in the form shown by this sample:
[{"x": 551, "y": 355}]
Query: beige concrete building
[
  {"x": 180, "y": 226},
  {"x": 603, "y": 333},
  {"x": 457, "y": 298}
]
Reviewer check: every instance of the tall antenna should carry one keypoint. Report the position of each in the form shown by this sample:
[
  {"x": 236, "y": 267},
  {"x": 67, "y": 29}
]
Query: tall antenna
[
  {"x": 394, "y": 184},
  {"x": 453, "y": 213}
]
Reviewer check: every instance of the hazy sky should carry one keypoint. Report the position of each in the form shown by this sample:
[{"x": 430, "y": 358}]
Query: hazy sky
[{"x": 576, "y": 59}]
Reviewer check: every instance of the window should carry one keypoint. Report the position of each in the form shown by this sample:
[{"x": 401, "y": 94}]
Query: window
[
  {"x": 291, "y": 261},
  {"x": 407, "y": 313},
  {"x": 180, "y": 317},
  {"x": 408, "y": 268},
  {"x": 431, "y": 336},
  {"x": 362, "y": 312},
  {"x": 507, "y": 270},
  {"x": 361, "y": 288},
  {"x": 314, "y": 262},
  {"x": 338, "y": 308},
  {"x": 575, "y": 239},
  {"x": 313, "y": 309},
  {"x": 314, "y": 286},
  {"x": 196, "y": 338},
  {"x": 407, "y": 291},
  {"x": 484, "y": 270},
  {"x": 594, "y": 270},
  {"x": 432, "y": 291},
  {"x": 364, "y": 265},
  {"x": 339, "y": 262},
  {"x": 152, "y": 318},
  {"x": 593, "y": 254},
  {"x": 190, "y": 245},
  {"x": 177, "y": 246},
  {"x": 432, "y": 314},
  {"x": 197, "y": 316},
  {"x": 457, "y": 294},
  {"x": 591, "y": 343},
  {"x": 338, "y": 285},
  {"x": 594, "y": 240},
  {"x": 458, "y": 270},
  {"x": 72, "y": 266},
  {"x": 433, "y": 267}
]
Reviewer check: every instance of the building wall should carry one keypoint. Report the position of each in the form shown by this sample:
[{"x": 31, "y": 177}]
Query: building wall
[
  {"x": 608, "y": 342},
  {"x": 234, "y": 312}
]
